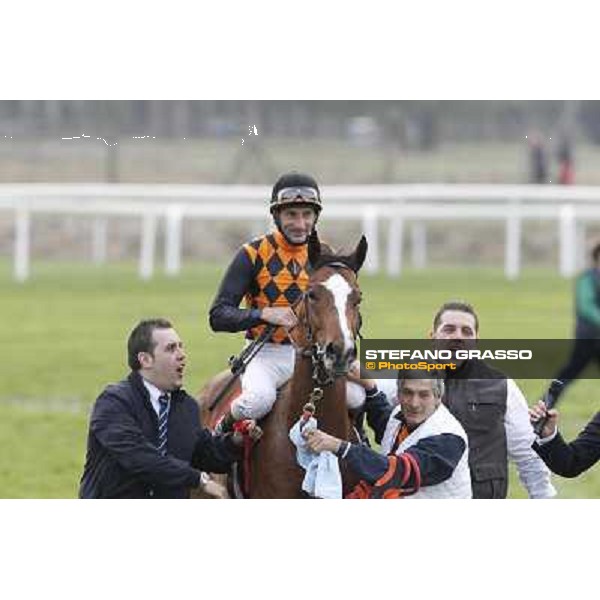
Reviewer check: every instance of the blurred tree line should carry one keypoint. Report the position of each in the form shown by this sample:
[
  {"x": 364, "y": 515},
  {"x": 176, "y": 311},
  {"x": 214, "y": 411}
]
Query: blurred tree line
[{"x": 407, "y": 124}]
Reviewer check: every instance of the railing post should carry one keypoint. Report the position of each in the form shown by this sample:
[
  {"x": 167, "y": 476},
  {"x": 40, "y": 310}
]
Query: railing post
[
  {"x": 148, "y": 245},
  {"x": 173, "y": 240},
  {"x": 394, "y": 249},
  {"x": 512, "y": 250},
  {"x": 22, "y": 245},
  {"x": 99, "y": 240},
  {"x": 567, "y": 241},
  {"x": 581, "y": 246}
]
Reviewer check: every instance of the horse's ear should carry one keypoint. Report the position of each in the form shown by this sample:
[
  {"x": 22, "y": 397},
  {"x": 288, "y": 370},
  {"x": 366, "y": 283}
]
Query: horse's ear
[
  {"x": 314, "y": 248},
  {"x": 359, "y": 255}
]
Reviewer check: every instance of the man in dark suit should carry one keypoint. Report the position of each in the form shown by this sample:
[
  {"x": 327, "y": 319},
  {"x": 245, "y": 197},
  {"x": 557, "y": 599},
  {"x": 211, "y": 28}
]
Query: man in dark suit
[
  {"x": 145, "y": 438},
  {"x": 566, "y": 460}
]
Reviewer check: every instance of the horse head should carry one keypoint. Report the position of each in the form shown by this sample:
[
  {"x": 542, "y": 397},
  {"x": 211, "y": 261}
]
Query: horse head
[{"x": 329, "y": 310}]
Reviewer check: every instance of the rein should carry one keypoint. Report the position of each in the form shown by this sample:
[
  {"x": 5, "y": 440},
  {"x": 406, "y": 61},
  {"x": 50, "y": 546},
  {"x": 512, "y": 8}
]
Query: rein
[{"x": 238, "y": 364}]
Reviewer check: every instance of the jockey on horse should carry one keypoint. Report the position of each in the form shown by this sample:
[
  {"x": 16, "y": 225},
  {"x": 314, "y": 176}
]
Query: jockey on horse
[{"x": 270, "y": 273}]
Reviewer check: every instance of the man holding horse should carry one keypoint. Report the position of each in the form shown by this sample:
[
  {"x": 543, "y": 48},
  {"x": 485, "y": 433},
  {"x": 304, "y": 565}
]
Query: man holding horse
[
  {"x": 145, "y": 439},
  {"x": 270, "y": 274},
  {"x": 424, "y": 449}
]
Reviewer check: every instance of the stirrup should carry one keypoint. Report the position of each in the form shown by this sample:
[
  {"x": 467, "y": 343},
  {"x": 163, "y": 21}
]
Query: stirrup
[{"x": 225, "y": 425}]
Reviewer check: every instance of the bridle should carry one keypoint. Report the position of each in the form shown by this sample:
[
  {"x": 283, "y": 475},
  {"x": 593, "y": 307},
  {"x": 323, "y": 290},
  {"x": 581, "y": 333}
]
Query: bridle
[{"x": 320, "y": 376}]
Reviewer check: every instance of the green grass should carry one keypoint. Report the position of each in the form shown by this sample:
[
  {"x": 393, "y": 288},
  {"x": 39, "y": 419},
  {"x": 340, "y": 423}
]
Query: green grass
[
  {"x": 42, "y": 452},
  {"x": 64, "y": 332}
]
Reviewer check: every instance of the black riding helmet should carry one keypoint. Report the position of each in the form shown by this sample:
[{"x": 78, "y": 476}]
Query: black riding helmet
[{"x": 294, "y": 189}]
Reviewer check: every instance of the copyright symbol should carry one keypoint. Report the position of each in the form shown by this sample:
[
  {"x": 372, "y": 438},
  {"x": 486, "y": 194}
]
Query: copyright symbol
[{"x": 370, "y": 365}]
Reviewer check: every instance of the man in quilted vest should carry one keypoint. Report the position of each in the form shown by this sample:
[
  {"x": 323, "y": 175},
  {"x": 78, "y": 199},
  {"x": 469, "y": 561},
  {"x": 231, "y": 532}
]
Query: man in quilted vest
[{"x": 424, "y": 449}]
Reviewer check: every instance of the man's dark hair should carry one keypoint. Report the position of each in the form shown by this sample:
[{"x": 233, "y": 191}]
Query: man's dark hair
[
  {"x": 455, "y": 305},
  {"x": 140, "y": 340},
  {"x": 596, "y": 253}
]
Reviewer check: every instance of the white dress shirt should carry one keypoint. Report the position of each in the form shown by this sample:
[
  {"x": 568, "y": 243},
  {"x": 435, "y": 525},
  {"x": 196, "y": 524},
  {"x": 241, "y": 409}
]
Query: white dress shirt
[
  {"x": 533, "y": 473},
  {"x": 155, "y": 394}
]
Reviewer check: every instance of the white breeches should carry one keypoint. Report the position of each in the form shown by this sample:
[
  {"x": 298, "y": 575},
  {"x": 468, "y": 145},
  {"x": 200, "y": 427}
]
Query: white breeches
[
  {"x": 267, "y": 371},
  {"x": 270, "y": 369}
]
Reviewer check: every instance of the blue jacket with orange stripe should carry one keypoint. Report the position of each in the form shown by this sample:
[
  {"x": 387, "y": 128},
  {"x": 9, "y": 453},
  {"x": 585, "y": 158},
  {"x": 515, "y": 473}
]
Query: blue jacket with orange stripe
[{"x": 436, "y": 456}]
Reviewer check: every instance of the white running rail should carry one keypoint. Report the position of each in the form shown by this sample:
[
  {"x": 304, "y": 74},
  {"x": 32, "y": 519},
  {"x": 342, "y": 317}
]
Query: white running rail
[{"x": 393, "y": 207}]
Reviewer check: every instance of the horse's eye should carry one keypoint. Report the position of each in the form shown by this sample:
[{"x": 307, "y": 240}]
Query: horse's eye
[{"x": 311, "y": 295}]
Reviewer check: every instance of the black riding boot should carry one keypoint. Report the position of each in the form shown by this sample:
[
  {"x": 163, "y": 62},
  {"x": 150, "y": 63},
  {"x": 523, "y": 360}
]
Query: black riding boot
[{"x": 358, "y": 420}]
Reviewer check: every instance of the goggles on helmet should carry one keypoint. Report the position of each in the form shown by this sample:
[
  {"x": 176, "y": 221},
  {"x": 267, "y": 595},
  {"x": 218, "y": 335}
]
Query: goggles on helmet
[{"x": 291, "y": 194}]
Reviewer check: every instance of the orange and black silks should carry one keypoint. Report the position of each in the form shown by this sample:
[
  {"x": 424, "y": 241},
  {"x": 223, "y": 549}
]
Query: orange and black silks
[{"x": 280, "y": 277}]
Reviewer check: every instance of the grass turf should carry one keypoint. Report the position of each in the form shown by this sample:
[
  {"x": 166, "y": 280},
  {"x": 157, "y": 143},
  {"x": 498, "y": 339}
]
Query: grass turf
[{"x": 64, "y": 336}]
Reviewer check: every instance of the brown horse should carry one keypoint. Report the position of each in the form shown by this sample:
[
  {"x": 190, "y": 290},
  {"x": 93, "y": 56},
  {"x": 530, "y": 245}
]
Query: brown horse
[{"x": 325, "y": 340}]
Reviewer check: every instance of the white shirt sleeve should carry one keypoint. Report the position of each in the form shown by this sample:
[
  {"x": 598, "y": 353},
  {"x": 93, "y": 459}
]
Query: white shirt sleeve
[
  {"x": 549, "y": 438},
  {"x": 533, "y": 473}
]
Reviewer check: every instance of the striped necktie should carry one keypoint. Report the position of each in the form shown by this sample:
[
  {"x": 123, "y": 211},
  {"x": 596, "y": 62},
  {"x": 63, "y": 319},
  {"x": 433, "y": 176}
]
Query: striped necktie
[{"x": 163, "y": 416}]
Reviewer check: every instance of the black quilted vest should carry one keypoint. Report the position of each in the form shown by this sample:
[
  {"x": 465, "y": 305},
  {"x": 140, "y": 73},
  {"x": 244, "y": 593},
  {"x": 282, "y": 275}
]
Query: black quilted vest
[{"x": 480, "y": 406}]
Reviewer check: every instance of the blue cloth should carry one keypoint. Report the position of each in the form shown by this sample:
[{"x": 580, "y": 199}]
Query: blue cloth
[{"x": 323, "y": 478}]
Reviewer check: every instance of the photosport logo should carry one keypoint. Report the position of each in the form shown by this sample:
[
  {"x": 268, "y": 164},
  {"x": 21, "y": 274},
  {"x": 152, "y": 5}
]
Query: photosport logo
[
  {"x": 518, "y": 359},
  {"x": 405, "y": 360}
]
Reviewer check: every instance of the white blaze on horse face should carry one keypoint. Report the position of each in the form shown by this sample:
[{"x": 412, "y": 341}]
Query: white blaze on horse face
[{"x": 340, "y": 289}]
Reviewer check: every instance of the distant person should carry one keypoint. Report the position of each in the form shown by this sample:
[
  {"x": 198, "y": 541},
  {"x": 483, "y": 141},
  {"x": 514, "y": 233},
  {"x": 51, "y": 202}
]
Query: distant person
[
  {"x": 538, "y": 160},
  {"x": 566, "y": 172},
  {"x": 566, "y": 460},
  {"x": 145, "y": 438},
  {"x": 586, "y": 345}
]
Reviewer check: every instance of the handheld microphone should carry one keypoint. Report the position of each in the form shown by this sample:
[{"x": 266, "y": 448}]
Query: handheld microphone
[{"x": 549, "y": 399}]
